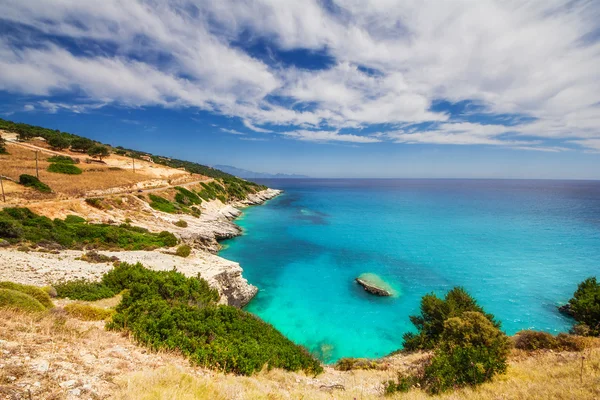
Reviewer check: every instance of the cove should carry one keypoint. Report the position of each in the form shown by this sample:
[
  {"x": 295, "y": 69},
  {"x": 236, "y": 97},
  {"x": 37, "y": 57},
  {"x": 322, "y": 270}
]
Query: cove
[{"x": 520, "y": 247}]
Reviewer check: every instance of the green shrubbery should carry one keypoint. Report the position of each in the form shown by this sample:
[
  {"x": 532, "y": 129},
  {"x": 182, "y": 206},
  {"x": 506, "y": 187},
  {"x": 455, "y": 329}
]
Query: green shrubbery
[
  {"x": 21, "y": 224},
  {"x": 469, "y": 347},
  {"x": 166, "y": 310},
  {"x": 61, "y": 168},
  {"x": 84, "y": 290},
  {"x": 19, "y": 300},
  {"x": 37, "y": 293},
  {"x": 434, "y": 312},
  {"x": 161, "y": 204},
  {"x": 585, "y": 307},
  {"x": 186, "y": 197},
  {"x": 62, "y": 160},
  {"x": 59, "y": 141},
  {"x": 2, "y": 145},
  {"x": 183, "y": 251},
  {"x": 33, "y": 182},
  {"x": 181, "y": 223}
]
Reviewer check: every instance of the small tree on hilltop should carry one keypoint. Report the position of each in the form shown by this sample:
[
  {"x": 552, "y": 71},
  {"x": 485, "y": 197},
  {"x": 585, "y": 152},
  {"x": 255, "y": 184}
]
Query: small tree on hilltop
[
  {"x": 81, "y": 144},
  {"x": 59, "y": 142},
  {"x": 2, "y": 145},
  {"x": 98, "y": 151}
]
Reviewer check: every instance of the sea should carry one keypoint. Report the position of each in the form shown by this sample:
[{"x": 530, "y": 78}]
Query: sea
[{"x": 520, "y": 247}]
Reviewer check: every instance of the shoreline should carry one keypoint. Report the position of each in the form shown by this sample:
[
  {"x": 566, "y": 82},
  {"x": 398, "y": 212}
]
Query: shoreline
[{"x": 41, "y": 267}]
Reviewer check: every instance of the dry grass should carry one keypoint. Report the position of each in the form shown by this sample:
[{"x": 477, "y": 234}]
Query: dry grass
[{"x": 54, "y": 349}]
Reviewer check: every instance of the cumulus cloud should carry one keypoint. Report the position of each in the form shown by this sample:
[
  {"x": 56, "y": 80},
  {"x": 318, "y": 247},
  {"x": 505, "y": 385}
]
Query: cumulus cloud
[{"x": 389, "y": 62}]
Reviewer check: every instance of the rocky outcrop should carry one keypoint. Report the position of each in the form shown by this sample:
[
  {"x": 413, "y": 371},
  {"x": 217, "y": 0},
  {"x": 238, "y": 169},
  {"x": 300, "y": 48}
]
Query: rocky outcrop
[
  {"x": 371, "y": 288},
  {"x": 259, "y": 198}
]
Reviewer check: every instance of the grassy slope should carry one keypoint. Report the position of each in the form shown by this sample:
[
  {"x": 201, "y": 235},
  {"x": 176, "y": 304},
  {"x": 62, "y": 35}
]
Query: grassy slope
[{"x": 85, "y": 352}]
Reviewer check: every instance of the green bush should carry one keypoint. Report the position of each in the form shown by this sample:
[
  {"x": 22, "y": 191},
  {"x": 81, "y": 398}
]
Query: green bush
[
  {"x": 61, "y": 160},
  {"x": 166, "y": 310},
  {"x": 535, "y": 340},
  {"x": 33, "y": 182},
  {"x": 18, "y": 300},
  {"x": 181, "y": 223},
  {"x": 83, "y": 290},
  {"x": 74, "y": 219},
  {"x": 434, "y": 313},
  {"x": 37, "y": 293},
  {"x": 349, "y": 364},
  {"x": 95, "y": 202},
  {"x": 2, "y": 145},
  {"x": 471, "y": 351},
  {"x": 183, "y": 251},
  {"x": 585, "y": 306},
  {"x": 98, "y": 151},
  {"x": 162, "y": 204},
  {"x": 186, "y": 197},
  {"x": 81, "y": 144},
  {"x": 67, "y": 169},
  {"x": 20, "y": 224},
  {"x": 87, "y": 312},
  {"x": 403, "y": 384}
]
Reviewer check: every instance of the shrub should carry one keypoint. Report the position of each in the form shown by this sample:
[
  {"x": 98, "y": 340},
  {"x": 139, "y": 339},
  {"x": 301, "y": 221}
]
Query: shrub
[
  {"x": 403, "y": 384},
  {"x": 183, "y": 251},
  {"x": 33, "y": 182},
  {"x": 59, "y": 142},
  {"x": 51, "y": 291},
  {"x": 181, "y": 223},
  {"x": 186, "y": 197},
  {"x": 19, "y": 300},
  {"x": 67, "y": 169},
  {"x": 87, "y": 312},
  {"x": 37, "y": 293},
  {"x": 20, "y": 224},
  {"x": 83, "y": 290},
  {"x": 62, "y": 160},
  {"x": 434, "y": 312},
  {"x": 162, "y": 204},
  {"x": 166, "y": 310},
  {"x": 74, "y": 219},
  {"x": 535, "y": 340},
  {"x": 95, "y": 257},
  {"x": 471, "y": 351},
  {"x": 95, "y": 202},
  {"x": 585, "y": 306},
  {"x": 2, "y": 145},
  {"x": 349, "y": 364}
]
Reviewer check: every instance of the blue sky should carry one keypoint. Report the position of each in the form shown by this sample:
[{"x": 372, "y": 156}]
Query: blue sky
[{"x": 330, "y": 88}]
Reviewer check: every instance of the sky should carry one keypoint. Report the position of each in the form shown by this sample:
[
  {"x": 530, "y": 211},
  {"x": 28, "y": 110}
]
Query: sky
[{"x": 325, "y": 88}]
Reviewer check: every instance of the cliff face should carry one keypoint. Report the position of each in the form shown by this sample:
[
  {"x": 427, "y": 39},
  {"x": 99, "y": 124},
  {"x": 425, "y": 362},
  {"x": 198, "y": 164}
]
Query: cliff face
[{"x": 216, "y": 223}]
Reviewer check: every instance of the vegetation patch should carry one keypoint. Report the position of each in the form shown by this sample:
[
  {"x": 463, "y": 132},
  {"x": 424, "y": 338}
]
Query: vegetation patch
[
  {"x": 87, "y": 312},
  {"x": 161, "y": 204},
  {"x": 535, "y": 340},
  {"x": 14, "y": 299},
  {"x": 181, "y": 223},
  {"x": 33, "y": 182},
  {"x": 183, "y": 251},
  {"x": 62, "y": 160},
  {"x": 167, "y": 310},
  {"x": 95, "y": 202},
  {"x": 37, "y": 293},
  {"x": 585, "y": 307},
  {"x": 83, "y": 290},
  {"x": 186, "y": 197},
  {"x": 67, "y": 169},
  {"x": 97, "y": 258},
  {"x": 21, "y": 224},
  {"x": 349, "y": 364}
]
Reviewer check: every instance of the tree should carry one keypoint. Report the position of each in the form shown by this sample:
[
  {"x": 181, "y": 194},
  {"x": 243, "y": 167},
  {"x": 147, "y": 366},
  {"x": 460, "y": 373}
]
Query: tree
[
  {"x": 98, "y": 151},
  {"x": 58, "y": 142},
  {"x": 435, "y": 312},
  {"x": 471, "y": 351},
  {"x": 81, "y": 144},
  {"x": 2, "y": 145},
  {"x": 585, "y": 307}
]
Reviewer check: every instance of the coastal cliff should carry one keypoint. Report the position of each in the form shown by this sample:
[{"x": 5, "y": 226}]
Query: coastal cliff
[{"x": 40, "y": 267}]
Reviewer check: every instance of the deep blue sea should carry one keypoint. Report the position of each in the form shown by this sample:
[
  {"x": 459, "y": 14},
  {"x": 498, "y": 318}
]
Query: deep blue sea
[{"x": 519, "y": 247}]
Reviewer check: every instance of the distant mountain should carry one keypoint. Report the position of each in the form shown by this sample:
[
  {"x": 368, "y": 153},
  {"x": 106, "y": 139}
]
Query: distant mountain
[{"x": 243, "y": 173}]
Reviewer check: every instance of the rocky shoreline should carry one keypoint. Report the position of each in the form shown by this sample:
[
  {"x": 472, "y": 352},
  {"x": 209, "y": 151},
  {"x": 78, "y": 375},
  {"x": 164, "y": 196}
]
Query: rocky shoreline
[{"x": 40, "y": 267}]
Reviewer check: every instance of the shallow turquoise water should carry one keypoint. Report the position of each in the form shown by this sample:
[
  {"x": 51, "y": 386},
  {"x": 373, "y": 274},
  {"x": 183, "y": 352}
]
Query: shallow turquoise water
[{"x": 520, "y": 247}]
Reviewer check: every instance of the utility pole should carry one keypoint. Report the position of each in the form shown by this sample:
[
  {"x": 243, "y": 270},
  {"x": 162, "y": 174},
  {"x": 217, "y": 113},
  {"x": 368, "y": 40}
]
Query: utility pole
[
  {"x": 2, "y": 185},
  {"x": 133, "y": 159},
  {"x": 37, "y": 171}
]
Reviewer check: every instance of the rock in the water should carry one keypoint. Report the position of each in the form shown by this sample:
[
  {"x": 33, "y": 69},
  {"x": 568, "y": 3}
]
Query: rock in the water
[{"x": 375, "y": 285}]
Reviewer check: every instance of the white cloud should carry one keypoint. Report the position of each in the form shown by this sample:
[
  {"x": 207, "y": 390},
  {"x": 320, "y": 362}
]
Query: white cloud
[
  {"x": 538, "y": 58},
  {"x": 29, "y": 107},
  {"x": 232, "y": 131}
]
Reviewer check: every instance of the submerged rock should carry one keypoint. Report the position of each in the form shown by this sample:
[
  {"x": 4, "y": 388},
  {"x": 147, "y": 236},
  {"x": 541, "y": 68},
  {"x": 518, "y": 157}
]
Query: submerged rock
[{"x": 375, "y": 285}]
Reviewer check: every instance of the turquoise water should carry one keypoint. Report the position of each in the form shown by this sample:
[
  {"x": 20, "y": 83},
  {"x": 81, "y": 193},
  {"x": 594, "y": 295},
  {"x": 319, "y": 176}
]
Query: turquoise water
[{"x": 519, "y": 247}]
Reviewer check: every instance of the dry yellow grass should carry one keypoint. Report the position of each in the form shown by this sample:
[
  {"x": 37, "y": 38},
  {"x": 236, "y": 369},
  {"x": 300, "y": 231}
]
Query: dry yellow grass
[{"x": 63, "y": 354}]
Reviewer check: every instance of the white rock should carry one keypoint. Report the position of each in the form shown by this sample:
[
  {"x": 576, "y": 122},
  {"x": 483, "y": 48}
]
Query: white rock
[{"x": 68, "y": 384}]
